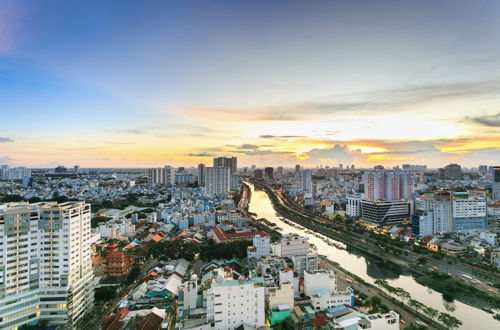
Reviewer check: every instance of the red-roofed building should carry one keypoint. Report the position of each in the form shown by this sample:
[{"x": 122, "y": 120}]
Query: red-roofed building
[
  {"x": 113, "y": 322},
  {"x": 124, "y": 311},
  {"x": 151, "y": 321},
  {"x": 426, "y": 239},
  {"x": 319, "y": 322},
  {"x": 221, "y": 237},
  {"x": 156, "y": 238},
  {"x": 183, "y": 234}
]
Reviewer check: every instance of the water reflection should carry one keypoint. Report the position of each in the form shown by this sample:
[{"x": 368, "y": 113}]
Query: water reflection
[
  {"x": 449, "y": 305},
  {"x": 370, "y": 269},
  {"x": 379, "y": 271}
]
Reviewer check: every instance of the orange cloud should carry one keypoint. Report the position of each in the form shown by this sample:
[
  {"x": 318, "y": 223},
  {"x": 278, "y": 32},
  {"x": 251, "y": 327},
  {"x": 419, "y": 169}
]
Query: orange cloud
[
  {"x": 387, "y": 157},
  {"x": 367, "y": 149},
  {"x": 464, "y": 147}
]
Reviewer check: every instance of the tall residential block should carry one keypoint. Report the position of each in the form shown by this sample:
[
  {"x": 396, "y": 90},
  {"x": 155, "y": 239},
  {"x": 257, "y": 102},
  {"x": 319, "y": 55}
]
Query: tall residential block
[
  {"x": 18, "y": 173},
  {"x": 496, "y": 183},
  {"x": 201, "y": 174},
  {"x": 450, "y": 172},
  {"x": 230, "y": 162},
  {"x": 440, "y": 206},
  {"x": 45, "y": 270},
  {"x": 269, "y": 172},
  {"x": 163, "y": 176},
  {"x": 307, "y": 185},
  {"x": 457, "y": 212},
  {"x": 280, "y": 172},
  {"x": 469, "y": 214},
  {"x": 217, "y": 180},
  {"x": 235, "y": 181},
  {"x": 388, "y": 185}
]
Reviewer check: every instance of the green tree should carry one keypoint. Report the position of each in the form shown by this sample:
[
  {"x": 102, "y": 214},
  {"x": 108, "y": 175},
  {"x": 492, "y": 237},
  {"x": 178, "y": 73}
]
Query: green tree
[
  {"x": 430, "y": 312},
  {"x": 402, "y": 293},
  {"x": 383, "y": 309},
  {"x": 417, "y": 305},
  {"x": 105, "y": 293},
  {"x": 287, "y": 324},
  {"x": 449, "y": 289},
  {"x": 132, "y": 198},
  {"x": 34, "y": 200},
  {"x": 134, "y": 274},
  {"x": 12, "y": 198},
  {"x": 449, "y": 321},
  {"x": 382, "y": 284},
  {"x": 95, "y": 221},
  {"x": 375, "y": 301}
]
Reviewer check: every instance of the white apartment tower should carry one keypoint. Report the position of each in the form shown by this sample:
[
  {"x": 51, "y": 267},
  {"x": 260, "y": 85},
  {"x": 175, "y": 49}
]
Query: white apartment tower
[
  {"x": 440, "y": 206},
  {"x": 235, "y": 181},
  {"x": 45, "y": 266},
  {"x": 233, "y": 303},
  {"x": 353, "y": 206},
  {"x": 469, "y": 214},
  {"x": 18, "y": 173},
  {"x": 217, "y": 180},
  {"x": 163, "y": 176}
]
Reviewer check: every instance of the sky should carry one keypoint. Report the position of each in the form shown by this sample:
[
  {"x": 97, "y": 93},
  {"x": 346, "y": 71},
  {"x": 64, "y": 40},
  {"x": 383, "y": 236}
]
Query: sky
[{"x": 123, "y": 83}]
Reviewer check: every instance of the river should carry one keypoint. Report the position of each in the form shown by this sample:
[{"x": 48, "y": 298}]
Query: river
[{"x": 370, "y": 270}]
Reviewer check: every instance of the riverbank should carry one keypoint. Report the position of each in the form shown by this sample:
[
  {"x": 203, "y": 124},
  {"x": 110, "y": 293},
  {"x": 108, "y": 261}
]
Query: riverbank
[
  {"x": 346, "y": 278},
  {"x": 409, "y": 314},
  {"x": 326, "y": 232},
  {"x": 344, "y": 237},
  {"x": 453, "y": 289},
  {"x": 364, "y": 288}
]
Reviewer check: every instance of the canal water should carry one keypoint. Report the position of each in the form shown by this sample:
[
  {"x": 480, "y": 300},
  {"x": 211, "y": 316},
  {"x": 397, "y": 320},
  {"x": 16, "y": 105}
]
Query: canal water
[{"x": 370, "y": 270}]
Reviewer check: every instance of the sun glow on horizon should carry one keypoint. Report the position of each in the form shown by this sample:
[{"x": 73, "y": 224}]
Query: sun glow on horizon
[{"x": 367, "y": 149}]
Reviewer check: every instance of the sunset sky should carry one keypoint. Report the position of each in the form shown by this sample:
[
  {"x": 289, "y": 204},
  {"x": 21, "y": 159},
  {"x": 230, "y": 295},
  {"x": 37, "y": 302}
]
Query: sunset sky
[{"x": 149, "y": 83}]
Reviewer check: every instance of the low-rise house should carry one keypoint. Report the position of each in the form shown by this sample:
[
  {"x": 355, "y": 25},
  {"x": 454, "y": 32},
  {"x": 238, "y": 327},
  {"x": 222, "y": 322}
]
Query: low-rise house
[
  {"x": 387, "y": 321},
  {"x": 282, "y": 294},
  {"x": 321, "y": 287}
]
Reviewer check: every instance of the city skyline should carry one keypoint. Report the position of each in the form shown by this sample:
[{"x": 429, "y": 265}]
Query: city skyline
[{"x": 281, "y": 83}]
